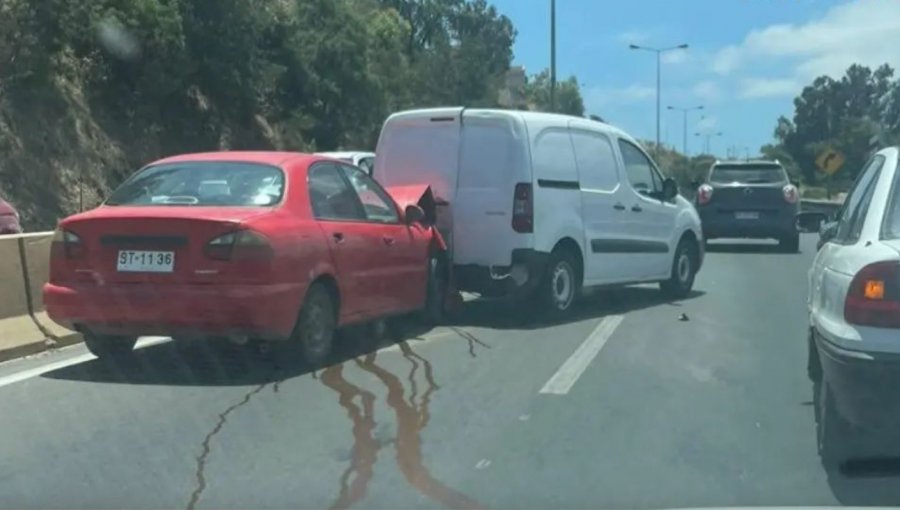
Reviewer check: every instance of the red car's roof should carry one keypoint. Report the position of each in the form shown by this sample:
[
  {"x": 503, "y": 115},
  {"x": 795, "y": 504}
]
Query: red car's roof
[{"x": 275, "y": 158}]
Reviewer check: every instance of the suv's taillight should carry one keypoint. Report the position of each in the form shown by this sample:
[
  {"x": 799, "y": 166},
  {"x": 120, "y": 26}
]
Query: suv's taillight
[
  {"x": 68, "y": 244},
  {"x": 239, "y": 245},
  {"x": 790, "y": 194},
  {"x": 874, "y": 296},
  {"x": 523, "y": 209},
  {"x": 704, "y": 194}
]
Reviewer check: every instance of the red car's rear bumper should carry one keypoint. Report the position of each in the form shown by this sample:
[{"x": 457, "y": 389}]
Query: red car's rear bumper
[{"x": 259, "y": 311}]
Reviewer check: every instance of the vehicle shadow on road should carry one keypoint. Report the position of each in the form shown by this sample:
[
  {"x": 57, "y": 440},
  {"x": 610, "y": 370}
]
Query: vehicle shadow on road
[
  {"x": 739, "y": 247},
  {"x": 871, "y": 479},
  {"x": 215, "y": 363},
  {"x": 510, "y": 314}
]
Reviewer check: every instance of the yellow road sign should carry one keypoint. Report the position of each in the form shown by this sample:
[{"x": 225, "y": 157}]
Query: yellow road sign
[{"x": 830, "y": 161}]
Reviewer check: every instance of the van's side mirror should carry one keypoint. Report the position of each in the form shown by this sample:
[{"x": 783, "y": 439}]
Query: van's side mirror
[
  {"x": 413, "y": 214},
  {"x": 670, "y": 189}
]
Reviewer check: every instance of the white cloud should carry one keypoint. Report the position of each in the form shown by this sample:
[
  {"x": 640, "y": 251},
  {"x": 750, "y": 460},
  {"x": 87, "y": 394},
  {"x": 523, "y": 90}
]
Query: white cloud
[
  {"x": 707, "y": 90},
  {"x": 866, "y": 32},
  {"x": 600, "y": 96},
  {"x": 761, "y": 87}
]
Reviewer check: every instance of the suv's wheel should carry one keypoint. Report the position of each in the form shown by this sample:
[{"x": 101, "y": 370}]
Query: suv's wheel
[
  {"x": 316, "y": 326},
  {"x": 560, "y": 286},
  {"x": 111, "y": 347},
  {"x": 790, "y": 244},
  {"x": 684, "y": 269}
]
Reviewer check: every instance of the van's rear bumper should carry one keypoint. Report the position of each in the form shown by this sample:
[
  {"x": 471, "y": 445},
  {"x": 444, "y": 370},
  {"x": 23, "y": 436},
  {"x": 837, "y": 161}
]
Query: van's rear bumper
[{"x": 517, "y": 279}]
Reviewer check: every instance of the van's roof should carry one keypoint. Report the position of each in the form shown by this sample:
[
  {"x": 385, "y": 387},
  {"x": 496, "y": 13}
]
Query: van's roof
[{"x": 526, "y": 116}]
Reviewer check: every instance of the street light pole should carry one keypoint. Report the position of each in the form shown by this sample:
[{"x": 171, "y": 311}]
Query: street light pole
[
  {"x": 708, "y": 136},
  {"x": 552, "y": 55},
  {"x": 659, "y": 52},
  {"x": 684, "y": 112}
]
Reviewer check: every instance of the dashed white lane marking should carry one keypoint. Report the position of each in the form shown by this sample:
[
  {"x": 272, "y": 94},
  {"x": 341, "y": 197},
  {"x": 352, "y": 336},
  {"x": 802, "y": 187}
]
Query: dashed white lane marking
[
  {"x": 567, "y": 374},
  {"x": 81, "y": 358}
]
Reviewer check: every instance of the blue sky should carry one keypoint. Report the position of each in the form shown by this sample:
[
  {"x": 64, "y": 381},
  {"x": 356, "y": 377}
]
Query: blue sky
[{"x": 746, "y": 62}]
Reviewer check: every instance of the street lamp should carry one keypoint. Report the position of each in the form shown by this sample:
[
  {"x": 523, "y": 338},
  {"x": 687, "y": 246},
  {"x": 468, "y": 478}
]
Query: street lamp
[
  {"x": 708, "y": 136},
  {"x": 685, "y": 111},
  {"x": 659, "y": 52},
  {"x": 553, "y": 55}
]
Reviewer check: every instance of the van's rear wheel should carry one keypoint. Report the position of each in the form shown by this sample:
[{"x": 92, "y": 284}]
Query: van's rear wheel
[
  {"x": 684, "y": 269},
  {"x": 435, "y": 290},
  {"x": 110, "y": 347},
  {"x": 560, "y": 286}
]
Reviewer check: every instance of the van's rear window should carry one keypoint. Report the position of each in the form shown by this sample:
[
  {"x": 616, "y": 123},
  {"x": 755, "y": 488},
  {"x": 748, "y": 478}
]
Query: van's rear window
[
  {"x": 206, "y": 183},
  {"x": 749, "y": 174}
]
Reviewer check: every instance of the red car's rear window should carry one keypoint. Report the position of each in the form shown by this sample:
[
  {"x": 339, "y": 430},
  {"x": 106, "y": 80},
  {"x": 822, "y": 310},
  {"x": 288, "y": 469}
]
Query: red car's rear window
[{"x": 206, "y": 183}]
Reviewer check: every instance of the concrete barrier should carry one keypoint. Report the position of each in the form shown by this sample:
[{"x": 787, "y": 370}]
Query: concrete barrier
[
  {"x": 36, "y": 250},
  {"x": 19, "y": 333}
]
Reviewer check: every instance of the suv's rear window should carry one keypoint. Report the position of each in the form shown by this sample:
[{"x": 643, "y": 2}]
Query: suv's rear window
[
  {"x": 207, "y": 183},
  {"x": 748, "y": 174}
]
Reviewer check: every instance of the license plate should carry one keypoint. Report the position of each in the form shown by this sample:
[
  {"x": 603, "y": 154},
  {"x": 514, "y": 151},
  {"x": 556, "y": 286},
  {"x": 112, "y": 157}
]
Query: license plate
[
  {"x": 748, "y": 215},
  {"x": 141, "y": 261}
]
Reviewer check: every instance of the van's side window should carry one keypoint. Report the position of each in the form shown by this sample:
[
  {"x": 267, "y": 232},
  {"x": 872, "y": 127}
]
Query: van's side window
[
  {"x": 597, "y": 168},
  {"x": 639, "y": 169}
]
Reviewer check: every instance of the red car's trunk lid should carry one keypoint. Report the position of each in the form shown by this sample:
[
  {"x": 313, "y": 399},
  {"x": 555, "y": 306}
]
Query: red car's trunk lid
[{"x": 153, "y": 244}]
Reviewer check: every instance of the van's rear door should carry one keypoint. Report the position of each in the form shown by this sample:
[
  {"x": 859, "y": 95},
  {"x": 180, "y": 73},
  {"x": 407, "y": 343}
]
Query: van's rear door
[
  {"x": 422, "y": 147},
  {"x": 493, "y": 157}
]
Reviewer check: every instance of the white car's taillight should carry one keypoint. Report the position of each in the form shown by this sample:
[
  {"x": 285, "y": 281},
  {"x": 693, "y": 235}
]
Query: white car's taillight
[
  {"x": 704, "y": 194},
  {"x": 239, "y": 245},
  {"x": 874, "y": 296},
  {"x": 790, "y": 194}
]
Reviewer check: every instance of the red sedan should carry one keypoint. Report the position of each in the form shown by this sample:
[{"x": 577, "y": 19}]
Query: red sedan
[{"x": 273, "y": 246}]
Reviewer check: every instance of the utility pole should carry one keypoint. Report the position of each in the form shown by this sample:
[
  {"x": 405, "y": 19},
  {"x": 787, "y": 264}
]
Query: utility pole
[{"x": 552, "y": 55}]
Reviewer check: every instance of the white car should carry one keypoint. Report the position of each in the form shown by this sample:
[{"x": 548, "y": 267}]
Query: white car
[
  {"x": 361, "y": 159},
  {"x": 542, "y": 204},
  {"x": 854, "y": 308}
]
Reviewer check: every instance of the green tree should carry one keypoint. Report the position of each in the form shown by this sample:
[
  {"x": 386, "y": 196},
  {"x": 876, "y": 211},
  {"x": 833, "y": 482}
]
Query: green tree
[{"x": 568, "y": 95}]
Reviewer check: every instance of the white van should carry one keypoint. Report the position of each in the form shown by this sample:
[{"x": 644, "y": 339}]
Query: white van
[{"x": 545, "y": 203}]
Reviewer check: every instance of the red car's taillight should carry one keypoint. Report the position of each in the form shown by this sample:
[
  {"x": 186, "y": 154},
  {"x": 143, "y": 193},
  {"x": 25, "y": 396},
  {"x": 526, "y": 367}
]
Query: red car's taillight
[
  {"x": 239, "y": 245},
  {"x": 790, "y": 194},
  {"x": 523, "y": 209},
  {"x": 68, "y": 244},
  {"x": 874, "y": 296},
  {"x": 704, "y": 194}
]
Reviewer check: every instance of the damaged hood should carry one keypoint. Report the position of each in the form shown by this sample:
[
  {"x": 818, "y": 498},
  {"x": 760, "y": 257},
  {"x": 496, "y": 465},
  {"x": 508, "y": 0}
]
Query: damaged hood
[{"x": 416, "y": 194}]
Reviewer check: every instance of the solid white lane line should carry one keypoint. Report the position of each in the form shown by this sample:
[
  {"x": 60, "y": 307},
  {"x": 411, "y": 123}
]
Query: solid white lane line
[
  {"x": 74, "y": 360},
  {"x": 568, "y": 374}
]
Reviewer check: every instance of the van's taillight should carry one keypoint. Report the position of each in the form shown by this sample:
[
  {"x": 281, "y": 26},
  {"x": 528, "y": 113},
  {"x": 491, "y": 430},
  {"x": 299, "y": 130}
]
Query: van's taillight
[
  {"x": 874, "y": 296},
  {"x": 69, "y": 244},
  {"x": 790, "y": 194},
  {"x": 239, "y": 245},
  {"x": 704, "y": 194},
  {"x": 523, "y": 209}
]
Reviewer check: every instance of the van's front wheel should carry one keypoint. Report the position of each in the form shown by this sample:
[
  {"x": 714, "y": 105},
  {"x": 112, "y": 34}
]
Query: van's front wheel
[
  {"x": 684, "y": 269},
  {"x": 560, "y": 286}
]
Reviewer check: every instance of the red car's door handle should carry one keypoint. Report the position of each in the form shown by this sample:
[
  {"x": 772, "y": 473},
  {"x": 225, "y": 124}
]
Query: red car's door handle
[
  {"x": 388, "y": 240},
  {"x": 338, "y": 237}
]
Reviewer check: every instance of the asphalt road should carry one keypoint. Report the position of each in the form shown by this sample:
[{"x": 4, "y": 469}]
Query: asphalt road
[{"x": 626, "y": 405}]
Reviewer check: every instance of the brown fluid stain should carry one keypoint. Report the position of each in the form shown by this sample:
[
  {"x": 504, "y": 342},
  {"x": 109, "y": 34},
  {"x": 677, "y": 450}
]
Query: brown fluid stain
[
  {"x": 411, "y": 420},
  {"x": 365, "y": 446}
]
